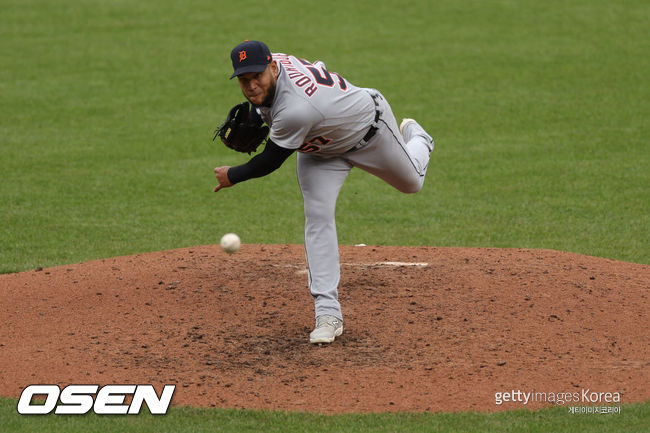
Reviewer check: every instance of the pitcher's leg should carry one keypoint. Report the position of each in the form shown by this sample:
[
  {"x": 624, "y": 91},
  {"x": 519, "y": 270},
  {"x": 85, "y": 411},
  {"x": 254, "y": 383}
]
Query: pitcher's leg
[
  {"x": 320, "y": 181},
  {"x": 400, "y": 162},
  {"x": 419, "y": 144}
]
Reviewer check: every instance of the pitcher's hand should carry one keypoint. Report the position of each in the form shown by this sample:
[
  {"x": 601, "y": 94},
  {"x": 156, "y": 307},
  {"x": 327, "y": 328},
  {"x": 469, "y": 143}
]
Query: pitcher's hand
[{"x": 222, "y": 177}]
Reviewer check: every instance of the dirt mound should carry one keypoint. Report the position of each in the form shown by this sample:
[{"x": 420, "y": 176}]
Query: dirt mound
[{"x": 426, "y": 329}]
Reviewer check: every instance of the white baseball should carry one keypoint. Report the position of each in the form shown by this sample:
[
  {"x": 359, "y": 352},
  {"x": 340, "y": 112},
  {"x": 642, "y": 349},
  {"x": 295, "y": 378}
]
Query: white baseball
[{"x": 230, "y": 243}]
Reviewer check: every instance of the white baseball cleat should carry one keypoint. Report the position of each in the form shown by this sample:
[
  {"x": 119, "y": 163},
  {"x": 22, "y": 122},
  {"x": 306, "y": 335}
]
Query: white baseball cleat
[
  {"x": 418, "y": 131},
  {"x": 405, "y": 122},
  {"x": 327, "y": 328}
]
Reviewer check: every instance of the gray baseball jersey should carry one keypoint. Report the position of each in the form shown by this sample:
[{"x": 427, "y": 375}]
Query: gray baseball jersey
[{"x": 315, "y": 111}]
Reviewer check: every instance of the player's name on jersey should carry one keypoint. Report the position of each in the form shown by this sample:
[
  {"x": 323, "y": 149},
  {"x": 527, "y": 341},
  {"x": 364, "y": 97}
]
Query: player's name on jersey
[{"x": 298, "y": 77}]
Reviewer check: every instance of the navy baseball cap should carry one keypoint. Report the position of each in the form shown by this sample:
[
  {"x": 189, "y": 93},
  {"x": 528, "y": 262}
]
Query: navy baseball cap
[{"x": 250, "y": 56}]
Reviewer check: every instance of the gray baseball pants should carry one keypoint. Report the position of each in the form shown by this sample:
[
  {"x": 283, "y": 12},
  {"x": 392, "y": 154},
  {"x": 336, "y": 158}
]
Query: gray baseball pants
[{"x": 402, "y": 164}]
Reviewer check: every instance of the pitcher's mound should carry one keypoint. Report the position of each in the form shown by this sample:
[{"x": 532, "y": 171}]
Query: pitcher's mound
[{"x": 426, "y": 329}]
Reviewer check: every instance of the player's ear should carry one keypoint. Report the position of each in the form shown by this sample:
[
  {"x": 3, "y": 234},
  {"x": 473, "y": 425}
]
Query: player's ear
[{"x": 274, "y": 68}]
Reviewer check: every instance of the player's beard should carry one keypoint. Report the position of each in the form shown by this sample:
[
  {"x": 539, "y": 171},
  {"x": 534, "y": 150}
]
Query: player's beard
[{"x": 269, "y": 96}]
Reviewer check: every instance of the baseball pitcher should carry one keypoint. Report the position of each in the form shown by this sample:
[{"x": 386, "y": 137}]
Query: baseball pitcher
[{"x": 334, "y": 126}]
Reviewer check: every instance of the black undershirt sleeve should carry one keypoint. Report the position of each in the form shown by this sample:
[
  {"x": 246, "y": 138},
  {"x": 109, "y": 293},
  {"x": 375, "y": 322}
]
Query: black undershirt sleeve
[{"x": 261, "y": 164}]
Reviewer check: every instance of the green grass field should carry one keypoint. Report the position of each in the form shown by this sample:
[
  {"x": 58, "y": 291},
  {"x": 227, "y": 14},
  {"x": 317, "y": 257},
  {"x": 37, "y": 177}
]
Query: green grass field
[
  {"x": 632, "y": 418},
  {"x": 539, "y": 111}
]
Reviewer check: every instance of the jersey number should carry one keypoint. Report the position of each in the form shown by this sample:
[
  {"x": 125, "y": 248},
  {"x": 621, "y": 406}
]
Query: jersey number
[
  {"x": 323, "y": 77},
  {"x": 314, "y": 145}
]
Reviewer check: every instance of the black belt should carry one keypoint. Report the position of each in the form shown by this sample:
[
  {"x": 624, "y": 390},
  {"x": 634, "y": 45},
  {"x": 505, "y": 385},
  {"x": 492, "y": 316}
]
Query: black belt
[
  {"x": 373, "y": 129},
  {"x": 371, "y": 133}
]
